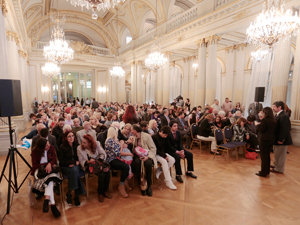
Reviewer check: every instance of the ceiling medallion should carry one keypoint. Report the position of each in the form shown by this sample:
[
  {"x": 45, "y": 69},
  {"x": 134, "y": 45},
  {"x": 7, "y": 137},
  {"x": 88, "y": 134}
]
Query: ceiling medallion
[
  {"x": 95, "y": 5},
  {"x": 273, "y": 24}
]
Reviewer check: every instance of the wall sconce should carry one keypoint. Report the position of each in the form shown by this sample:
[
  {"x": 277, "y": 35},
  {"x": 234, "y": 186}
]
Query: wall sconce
[
  {"x": 45, "y": 89},
  {"x": 102, "y": 89}
]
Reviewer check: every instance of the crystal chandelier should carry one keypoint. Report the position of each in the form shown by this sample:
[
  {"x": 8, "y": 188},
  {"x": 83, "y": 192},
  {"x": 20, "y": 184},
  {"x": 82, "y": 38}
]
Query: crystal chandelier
[
  {"x": 50, "y": 69},
  {"x": 58, "y": 50},
  {"x": 117, "y": 70},
  {"x": 259, "y": 54},
  {"x": 273, "y": 24},
  {"x": 96, "y": 5},
  {"x": 156, "y": 59}
]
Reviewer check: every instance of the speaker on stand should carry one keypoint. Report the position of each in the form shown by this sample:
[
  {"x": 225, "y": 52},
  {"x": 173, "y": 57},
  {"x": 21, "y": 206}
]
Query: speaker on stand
[
  {"x": 259, "y": 94},
  {"x": 11, "y": 105}
]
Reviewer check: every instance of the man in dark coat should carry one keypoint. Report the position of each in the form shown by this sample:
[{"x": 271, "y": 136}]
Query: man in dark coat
[{"x": 282, "y": 137}]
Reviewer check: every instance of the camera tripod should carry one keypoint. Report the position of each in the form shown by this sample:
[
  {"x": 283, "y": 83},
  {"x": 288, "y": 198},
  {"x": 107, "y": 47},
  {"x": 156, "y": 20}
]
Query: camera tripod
[{"x": 12, "y": 168}]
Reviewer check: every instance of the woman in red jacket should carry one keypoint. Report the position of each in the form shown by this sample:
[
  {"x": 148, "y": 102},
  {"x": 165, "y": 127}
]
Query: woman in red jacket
[{"x": 43, "y": 156}]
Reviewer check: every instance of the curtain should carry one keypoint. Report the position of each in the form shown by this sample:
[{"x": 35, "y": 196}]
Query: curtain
[
  {"x": 3, "y": 47},
  {"x": 259, "y": 78},
  {"x": 150, "y": 87},
  {"x": 175, "y": 82}
]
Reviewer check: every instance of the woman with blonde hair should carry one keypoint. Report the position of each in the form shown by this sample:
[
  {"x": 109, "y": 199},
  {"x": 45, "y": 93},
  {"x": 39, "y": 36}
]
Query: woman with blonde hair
[
  {"x": 114, "y": 150},
  {"x": 153, "y": 129},
  {"x": 124, "y": 134},
  {"x": 96, "y": 126}
]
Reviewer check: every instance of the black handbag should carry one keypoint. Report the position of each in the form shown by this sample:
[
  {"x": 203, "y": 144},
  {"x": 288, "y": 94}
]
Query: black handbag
[
  {"x": 99, "y": 166},
  {"x": 42, "y": 171}
]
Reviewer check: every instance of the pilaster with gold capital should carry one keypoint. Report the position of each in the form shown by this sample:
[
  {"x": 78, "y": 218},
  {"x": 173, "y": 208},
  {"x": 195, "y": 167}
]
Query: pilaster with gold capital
[
  {"x": 23, "y": 54},
  {"x": 12, "y": 36},
  {"x": 213, "y": 39},
  {"x": 3, "y": 7},
  {"x": 201, "y": 43}
]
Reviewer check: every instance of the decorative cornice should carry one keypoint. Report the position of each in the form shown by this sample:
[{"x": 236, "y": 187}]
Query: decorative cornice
[
  {"x": 3, "y": 6},
  {"x": 132, "y": 63},
  {"x": 168, "y": 54},
  {"x": 241, "y": 15},
  {"x": 214, "y": 39},
  {"x": 16, "y": 4},
  {"x": 12, "y": 36},
  {"x": 201, "y": 43},
  {"x": 23, "y": 54},
  {"x": 233, "y": 47}
]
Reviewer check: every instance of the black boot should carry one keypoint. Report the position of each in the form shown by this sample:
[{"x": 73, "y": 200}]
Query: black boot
[
  {"x": 46, "y": 206},
  {"x": 55, "y": 211},
  {"x": 69, "y": 198},
  {"x": 76, "y": 199}
]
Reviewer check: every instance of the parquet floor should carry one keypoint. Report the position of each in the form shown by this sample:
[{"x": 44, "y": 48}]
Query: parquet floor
[{"x": 222, "y": 194}]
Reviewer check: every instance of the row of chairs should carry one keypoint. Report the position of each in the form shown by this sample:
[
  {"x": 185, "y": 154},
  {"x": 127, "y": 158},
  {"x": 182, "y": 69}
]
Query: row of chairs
[{"x": 223, "y": 139}]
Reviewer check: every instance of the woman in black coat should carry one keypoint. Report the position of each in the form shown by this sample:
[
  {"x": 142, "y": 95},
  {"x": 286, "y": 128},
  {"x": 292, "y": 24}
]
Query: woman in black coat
[
  {"x": 69, "y": 163},
  {"x": 267, "y": 128}
]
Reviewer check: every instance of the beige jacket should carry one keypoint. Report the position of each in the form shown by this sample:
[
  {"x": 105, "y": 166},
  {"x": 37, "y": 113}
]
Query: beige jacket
[{"x": 147, "y": 143}]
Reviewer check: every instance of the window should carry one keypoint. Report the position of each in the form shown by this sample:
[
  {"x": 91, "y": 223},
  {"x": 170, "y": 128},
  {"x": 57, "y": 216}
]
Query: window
[{"x": 128, "y": 39}]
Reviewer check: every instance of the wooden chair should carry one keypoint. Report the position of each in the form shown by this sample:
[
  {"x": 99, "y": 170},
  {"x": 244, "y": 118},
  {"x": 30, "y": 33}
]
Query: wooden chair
[
  {"x": 194, "y": 128},
  {"x": 224, "y": 147}
]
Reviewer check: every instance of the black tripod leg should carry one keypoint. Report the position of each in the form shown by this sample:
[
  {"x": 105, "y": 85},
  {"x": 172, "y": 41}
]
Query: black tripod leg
[
  {"x": 16, "y": 190},
  {"x": 23, "y": 158},
  {"x": 9, "y": 181},
  {"x": 2, "y": 174}
]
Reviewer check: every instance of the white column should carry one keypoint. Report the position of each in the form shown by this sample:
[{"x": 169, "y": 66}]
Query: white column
[
  {"x": 295, "y": 96},
  {"x": 114, "y": 84},
  {"x": 159, "y": 87},
  {"x": 201, "y": 80},
  {"x": 211, "y": 72},
  {"x": 240, "y": 73},
  {"x": 133, "y": 83},
  {"x": 229, "y": 51},
  {"x": 166, "y": 82},
  {"x": 185, "y": 82},
  {"x": 139, "y": 82},
  {"x": 191, "y": 82},
  {"x": 282, "y": 63}
]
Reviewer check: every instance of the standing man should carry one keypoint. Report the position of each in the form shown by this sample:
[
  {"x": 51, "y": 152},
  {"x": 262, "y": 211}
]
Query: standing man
[
  {"x": 216, "y": 105},
  {"x": 165, "y": 120},
  {"x": 254, "y": 109},
  {"x": 227, "y": 106},
  {"x": 95, "y": 104},
  {"x": 282, "y": 137},
  {"x": 35, "y": 105}
]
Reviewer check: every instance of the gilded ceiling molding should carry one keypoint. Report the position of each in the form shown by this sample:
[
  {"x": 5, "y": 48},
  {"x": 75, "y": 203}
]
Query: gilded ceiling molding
[
  {"x": 186, "y": 59},
  {"x": 28, "y": 63},
  {"x": 214, "y": 39},
  {"x": 168, "y": 54},
  {"x": 35, "y": 30},
  {"x": 132, "y": 63},
  {"x": 192, "y": 58},
  {"x": 241, "y": 15},
  {"x": 23, "y": 54},
  {"x": 12, "y": 36},
  {"x": 227, "y": 49},
  {"x": 201, "y": 43},
  {"x": 3, "y": 6},
  {"x": 237, "y": 47}
]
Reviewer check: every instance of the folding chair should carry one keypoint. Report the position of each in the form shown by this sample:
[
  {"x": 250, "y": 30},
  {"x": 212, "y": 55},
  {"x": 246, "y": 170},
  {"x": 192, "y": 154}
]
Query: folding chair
[
  {"x": 228, "y": 134},
  {"x": 224, "y": 147},
  {"x": 194, "y": 128}
]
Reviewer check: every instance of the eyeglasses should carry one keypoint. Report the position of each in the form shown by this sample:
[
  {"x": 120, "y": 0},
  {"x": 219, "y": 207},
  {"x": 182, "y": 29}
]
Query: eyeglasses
[{"x": 71, "y": 136}]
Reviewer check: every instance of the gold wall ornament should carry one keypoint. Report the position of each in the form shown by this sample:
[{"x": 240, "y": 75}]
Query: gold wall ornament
[
  {"x": 237, "y": 47},
  {"x": 214, "y": 39},
  {"x": 227, "y": 49},
  {"x": 201, "y": 43},
  {"x": 3, "y": 6},
  {"x": 81, "y": 48},
  {"x": 181, "y": 38},
  {"x": 12, "y": 36},
  {"x": 23, "y": 54},
  {"x": 241, "y": 15}
]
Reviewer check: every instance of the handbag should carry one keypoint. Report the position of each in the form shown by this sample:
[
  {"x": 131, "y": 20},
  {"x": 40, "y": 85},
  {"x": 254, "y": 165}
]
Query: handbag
[
  {"x": 42, "y": 171},
  {"x": 144, "y": 184},
  {"x": 140, "y": 152},
  {"x": 251, "y": 154},
  {"x": 98, "y": 166}
]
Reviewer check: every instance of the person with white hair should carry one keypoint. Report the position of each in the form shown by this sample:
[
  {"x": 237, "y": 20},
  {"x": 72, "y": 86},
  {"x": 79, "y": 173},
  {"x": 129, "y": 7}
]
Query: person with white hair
[
  {"x": 87, "y": 130},
  {"x": 225, "y": 121},
  {"x": 68, "y": 120}
]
